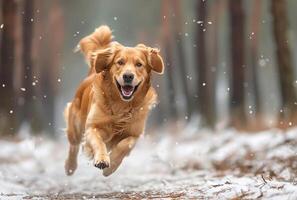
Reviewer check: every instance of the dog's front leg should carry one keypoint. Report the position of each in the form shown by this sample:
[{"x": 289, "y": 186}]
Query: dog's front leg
[
  {"x": 94, "y": 138},
  {"x": 118, "y": 153}
]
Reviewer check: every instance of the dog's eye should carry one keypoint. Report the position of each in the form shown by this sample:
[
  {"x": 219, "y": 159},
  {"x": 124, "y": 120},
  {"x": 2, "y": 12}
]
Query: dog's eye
[
  {"x": 138, "y": 64},
  {"x": 120, "y": 62}
]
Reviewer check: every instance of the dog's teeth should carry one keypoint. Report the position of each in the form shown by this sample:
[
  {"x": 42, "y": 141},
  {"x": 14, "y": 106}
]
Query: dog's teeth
[{"x": 127, "y": 93}]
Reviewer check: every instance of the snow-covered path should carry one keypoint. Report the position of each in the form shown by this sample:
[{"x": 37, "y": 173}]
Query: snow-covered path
[{"x": 207, "y": 165}]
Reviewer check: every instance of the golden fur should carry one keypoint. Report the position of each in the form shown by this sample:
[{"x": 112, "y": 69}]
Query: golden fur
[{"x": 99, "y": 115}]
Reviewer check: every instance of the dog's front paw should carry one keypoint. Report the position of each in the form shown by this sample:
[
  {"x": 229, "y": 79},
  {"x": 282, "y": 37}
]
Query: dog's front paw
[{"x": 102, "y": 162}]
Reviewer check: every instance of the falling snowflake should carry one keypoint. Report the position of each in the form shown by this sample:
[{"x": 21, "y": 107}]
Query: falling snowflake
[
  {"x": 262, "y": 62},
  {"x": 23, "y": 89},
  {"x": 115, "y": 18},
  {"x": 11, "y": 111},
  {"x": 189, "y": 77},
  {"x": 251, "y": 35},
  {"x": 1, "y": 26}
]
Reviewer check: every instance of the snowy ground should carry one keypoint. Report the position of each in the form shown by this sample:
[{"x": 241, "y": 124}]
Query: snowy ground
[{"x": 194, "y": 164}]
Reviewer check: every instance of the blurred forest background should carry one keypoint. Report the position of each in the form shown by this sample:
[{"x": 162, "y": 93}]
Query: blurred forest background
[{"x": 229, "y": 63}]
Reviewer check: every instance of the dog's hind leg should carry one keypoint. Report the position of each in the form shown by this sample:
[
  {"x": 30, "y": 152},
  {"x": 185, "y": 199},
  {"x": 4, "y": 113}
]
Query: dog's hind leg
[
  {"x": 74, "y": 138},
  {"x": 71, "y": 161}
]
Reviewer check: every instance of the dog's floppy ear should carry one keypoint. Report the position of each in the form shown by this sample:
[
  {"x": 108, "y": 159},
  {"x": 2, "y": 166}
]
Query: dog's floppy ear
[
  {"x": 102, "y": 58},
  {"x": 97, "y": 48},
  {"x": 155, "y": 61}
]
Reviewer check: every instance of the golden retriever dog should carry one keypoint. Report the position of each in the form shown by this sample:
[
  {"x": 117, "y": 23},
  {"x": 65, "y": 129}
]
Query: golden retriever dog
[{"x": 110, "y": 107}]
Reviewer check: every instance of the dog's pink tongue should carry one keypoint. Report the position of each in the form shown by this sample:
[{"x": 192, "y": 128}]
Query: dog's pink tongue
[{"x": 127, "y": 90}]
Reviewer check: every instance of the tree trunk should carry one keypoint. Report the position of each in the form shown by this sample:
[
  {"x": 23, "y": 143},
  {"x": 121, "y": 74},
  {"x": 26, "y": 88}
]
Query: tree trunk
[
  {"x": 7, "y": 100},
  {"x": 212, "y": 39},
  {"x": 30, "y": 110},
  {"x": 182, "y": 64},
  {"x": 169, "y": 64},
  {"x": 205, "y": 85},
  {"x": 284, "y": 61},
  {"x": 237, "y": 99},
  {"x": 46, "y": 62},
  {"x": 51, "y": 62},
  {"x": 254, "y": 43}
]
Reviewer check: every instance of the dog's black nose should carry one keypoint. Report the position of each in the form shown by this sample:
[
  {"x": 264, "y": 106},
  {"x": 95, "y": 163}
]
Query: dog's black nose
[{"x": 128, "y": 77}]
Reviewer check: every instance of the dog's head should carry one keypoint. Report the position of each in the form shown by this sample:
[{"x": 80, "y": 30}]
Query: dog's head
[{"x": 128, "y": 67}]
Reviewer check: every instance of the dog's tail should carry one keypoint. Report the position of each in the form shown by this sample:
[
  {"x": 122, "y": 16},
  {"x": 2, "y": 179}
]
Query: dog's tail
[{"x": 99, "y": 39}]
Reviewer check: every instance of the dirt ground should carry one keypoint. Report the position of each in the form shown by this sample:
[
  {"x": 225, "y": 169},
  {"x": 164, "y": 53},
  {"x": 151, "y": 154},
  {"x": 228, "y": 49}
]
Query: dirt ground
[{"x": 225, "y": 165}]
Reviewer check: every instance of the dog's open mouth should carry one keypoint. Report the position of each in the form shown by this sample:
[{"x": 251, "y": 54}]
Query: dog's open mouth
[{"x": 127, "y": 90}]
